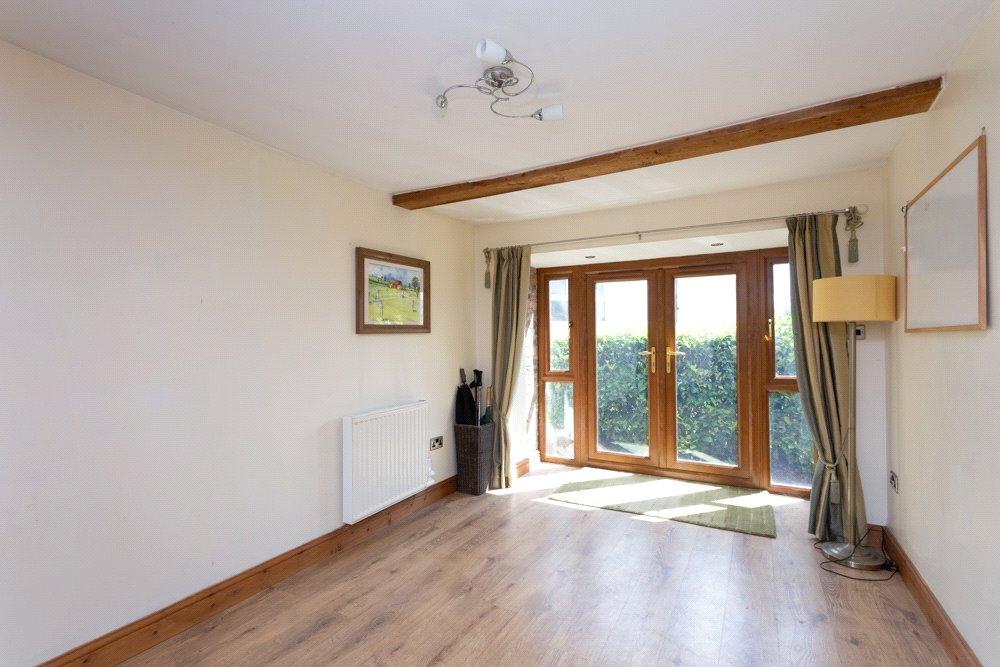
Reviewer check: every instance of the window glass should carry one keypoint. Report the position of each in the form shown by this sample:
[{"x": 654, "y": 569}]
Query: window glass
[
  {"x": 705, "y": 367},
  {"x": 784, "y": 345},
  {"x": 622, "y": 365},
  {"x": 791, "y": 441},
  {"x": 559, "y": 419},
  {"x": 559, "y": 324}
]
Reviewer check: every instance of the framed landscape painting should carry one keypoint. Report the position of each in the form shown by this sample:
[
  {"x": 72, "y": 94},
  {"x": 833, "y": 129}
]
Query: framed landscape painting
[{"x": 393, "y": 293}]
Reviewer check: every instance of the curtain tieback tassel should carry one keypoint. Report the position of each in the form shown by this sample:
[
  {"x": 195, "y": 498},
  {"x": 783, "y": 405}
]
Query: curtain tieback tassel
[
  {"x": 853, "y": 222},
  {"x": 831, "y": 469}
]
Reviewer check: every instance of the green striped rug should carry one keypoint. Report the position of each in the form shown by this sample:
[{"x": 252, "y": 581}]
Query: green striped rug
[{"x": 713, "y": 505}]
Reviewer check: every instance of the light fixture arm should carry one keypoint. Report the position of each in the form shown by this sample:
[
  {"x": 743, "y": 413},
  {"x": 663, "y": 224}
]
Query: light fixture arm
[
  {"x": 507, "y": 115},
  {"x": 501, "y": 83},
  {"x": 531, "y": 80},
  {"x": 479, "y": 85}
]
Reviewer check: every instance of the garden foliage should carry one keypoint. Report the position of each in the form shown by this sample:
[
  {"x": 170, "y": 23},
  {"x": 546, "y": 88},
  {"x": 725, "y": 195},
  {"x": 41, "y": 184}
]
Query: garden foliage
[{"x": 706, "y": 399}]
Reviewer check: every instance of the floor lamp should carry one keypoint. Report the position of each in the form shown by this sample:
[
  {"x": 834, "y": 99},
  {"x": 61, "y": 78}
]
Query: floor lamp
[{"x": 853, "y": 299}]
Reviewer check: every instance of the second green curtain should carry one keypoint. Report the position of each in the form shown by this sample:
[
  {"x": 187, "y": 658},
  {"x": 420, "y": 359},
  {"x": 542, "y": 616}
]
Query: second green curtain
[
  {"x": 512, "y": 277},
  {"x": 822, "y": 367}
]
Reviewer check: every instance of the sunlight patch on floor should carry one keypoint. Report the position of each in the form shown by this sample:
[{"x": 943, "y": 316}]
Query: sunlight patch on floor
[
  {"x": 552, "y": 476},
  {"x": 638, "y": 492}
]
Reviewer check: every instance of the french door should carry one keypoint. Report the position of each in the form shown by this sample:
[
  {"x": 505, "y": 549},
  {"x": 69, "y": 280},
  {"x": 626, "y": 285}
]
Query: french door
[
  {"x": 664, "y": 360},
  {"x": 622, "y": 358},
  {"x": 662, "y": 366}
]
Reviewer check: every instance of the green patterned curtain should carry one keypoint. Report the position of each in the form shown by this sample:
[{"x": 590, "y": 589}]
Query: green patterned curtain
[
  {"x": 512, "y": 277},
  {"x": 822, "y": 367}
]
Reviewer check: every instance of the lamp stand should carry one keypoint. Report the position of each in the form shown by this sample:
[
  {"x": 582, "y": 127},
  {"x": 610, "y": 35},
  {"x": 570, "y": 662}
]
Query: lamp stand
[{"x": 851, "y": 553}]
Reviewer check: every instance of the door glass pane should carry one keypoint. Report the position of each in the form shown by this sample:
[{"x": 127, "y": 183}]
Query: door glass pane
[
  {"x": 621, "y": 335},
  {"x": 559, "y": 324},
  {"x": 559, "y": 419},
  {"x": 791, "y": 441},
  {"x": 784, "y": 345},
  {"x": 705, "y": 332}
]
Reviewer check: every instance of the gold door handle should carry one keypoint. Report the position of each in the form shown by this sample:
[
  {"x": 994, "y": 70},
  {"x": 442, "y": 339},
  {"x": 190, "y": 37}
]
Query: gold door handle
[
  {"x": 670, "y": 354},
  {"x": 651, "y": 353},
  {"x": 769, "y": 334}
]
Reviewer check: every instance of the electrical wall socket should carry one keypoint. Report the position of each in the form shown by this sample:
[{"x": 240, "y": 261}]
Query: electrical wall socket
[
  {"x": 859, "y": 331},
  {"x": 894, "y": 481},
  {"x": 437, "y": 442}
]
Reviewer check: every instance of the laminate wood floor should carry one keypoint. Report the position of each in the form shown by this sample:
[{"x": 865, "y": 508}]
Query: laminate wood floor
[{"x": 510, "y": 578}]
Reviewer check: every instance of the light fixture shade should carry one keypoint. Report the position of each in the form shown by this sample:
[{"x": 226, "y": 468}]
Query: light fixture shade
[
  {"x": 869, "y": 298},
  {"x": 490, "y": 52},
  {"x": 551, "y": 112}
]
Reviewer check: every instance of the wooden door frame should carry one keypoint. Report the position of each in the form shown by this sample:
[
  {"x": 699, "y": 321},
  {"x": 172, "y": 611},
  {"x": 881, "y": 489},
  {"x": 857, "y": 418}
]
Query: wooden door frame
[
  {"x": 654, "y": 311},
  {"x": 744, "y": 376},
  {"x": 755, "y": 374},
  {"x": 542, "y": 350},
  {"x": 768, "y": 379}
]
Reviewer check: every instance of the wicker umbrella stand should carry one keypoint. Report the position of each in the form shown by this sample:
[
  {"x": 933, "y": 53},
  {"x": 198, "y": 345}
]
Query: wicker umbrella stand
[{"x": 474, "y": 448}]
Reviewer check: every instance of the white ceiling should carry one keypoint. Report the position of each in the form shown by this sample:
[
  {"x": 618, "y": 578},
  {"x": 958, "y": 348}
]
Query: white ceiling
[{"x": 350, "y": 84}]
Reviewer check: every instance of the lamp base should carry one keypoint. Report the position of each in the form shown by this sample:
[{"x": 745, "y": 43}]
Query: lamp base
[{"x": 862, "y": 558}]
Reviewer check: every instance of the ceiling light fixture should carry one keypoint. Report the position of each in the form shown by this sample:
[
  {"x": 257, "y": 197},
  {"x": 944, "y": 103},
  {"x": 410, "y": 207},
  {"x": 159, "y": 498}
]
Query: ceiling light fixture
[{"x": 500, "y": 82}]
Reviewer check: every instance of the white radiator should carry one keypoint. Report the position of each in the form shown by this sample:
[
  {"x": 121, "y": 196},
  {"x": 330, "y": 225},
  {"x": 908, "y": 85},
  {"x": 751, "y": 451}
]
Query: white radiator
[{"x": 386, "y": 458}]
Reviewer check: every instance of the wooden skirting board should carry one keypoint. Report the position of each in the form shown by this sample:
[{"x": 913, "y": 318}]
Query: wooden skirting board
[
  {"x": 954, "y": 643},
  {"x": 523, "y": 467},
  {"x": 140, "y": 635}
]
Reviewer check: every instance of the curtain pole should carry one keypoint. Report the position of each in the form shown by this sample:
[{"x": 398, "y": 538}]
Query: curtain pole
[{"x": 661, "y": 230}]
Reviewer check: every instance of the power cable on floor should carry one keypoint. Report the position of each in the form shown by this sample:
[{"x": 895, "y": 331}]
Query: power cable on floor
[{"x": 888, "y": 566}]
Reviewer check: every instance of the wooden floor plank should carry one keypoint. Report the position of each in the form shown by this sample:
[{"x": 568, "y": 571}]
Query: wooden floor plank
[
  {"x": 513, "y": 579},
  {"x": 805, "y": 632},
  {"x": 694, "y": 634},
  {"x": 749, "y": 605}
]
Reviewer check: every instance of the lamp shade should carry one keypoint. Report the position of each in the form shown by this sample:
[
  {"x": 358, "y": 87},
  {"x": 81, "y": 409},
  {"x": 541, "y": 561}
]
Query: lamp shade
[
  {"x": 490, "y": 52},
  {"x": 551, "y": 112},
  {"x": 854, "y": 299}
]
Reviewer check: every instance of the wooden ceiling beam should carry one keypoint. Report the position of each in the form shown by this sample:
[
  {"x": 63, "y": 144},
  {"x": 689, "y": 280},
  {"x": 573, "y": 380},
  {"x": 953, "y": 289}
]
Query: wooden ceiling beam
[{"x": 860, "y": 110}]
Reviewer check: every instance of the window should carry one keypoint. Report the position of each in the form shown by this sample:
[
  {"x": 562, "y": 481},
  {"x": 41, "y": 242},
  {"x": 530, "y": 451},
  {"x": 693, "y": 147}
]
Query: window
[
  {"x": 784, "y": 344},
  {"x": 674, "y": 364},
  {"x": 791, "y": 441},
  {"x": 558, "y": 324},
  {"x": 557, "y": 437},
  {"x": 705, "y": 366},
  {"x": 621, "y": 367},
  {"x": 559, "y": 441}
]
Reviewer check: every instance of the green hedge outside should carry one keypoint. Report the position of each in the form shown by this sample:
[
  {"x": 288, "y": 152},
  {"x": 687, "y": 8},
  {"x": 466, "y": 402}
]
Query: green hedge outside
[{"x": 707, "y": 415}]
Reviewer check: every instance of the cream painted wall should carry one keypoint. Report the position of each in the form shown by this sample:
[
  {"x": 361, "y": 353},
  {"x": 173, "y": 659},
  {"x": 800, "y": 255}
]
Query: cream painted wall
[
  {"x": 944, "y": 388},
  {"x": 177, "y": 350},
  {"x": 864, "y": 186}
]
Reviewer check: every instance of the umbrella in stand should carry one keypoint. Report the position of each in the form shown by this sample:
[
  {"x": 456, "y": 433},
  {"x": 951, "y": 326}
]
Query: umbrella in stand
[
  {"x": 466, "y": 411},
  {"x": 477, "y": 384}
]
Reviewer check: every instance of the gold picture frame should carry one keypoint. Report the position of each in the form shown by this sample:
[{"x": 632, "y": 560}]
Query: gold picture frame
[
  {"x": 945, "y": 264},
  {"x": 392, "y": 293}
]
